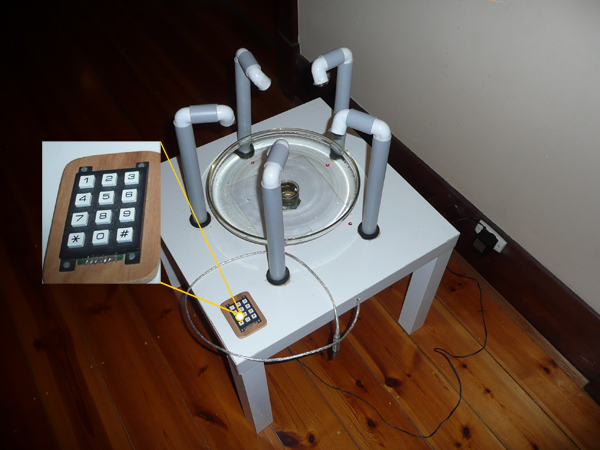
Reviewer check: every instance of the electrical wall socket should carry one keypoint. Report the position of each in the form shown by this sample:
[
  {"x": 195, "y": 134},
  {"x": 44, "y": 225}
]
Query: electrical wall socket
[{"x": 501, "y": 242}]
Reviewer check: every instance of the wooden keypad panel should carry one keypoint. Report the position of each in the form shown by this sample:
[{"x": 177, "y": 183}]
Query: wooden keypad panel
[
  {"x": 106, "y": 221},
  {"x": 253, "y": 320}
]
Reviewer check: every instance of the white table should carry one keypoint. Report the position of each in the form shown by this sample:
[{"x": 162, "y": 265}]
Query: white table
[{"x": 414, "y": 239}]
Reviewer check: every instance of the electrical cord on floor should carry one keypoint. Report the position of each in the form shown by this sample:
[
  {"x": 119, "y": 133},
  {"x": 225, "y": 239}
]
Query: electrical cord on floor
[{"x": 447, "y": 355}]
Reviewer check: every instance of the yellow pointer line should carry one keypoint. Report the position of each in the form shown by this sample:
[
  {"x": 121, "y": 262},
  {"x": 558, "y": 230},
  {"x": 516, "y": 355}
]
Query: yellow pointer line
[
  {"x": 211, "y": 252},
  {"x": 187, "y": 293}
]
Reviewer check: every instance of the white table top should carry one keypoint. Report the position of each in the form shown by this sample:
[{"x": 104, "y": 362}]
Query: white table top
[{"x": 412, "y": 234}]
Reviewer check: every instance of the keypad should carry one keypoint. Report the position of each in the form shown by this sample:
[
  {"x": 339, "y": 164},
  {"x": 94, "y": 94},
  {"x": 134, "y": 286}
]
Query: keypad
[
  {"x": 250, "y": 316},
  {"x": 104, "y": 220}
]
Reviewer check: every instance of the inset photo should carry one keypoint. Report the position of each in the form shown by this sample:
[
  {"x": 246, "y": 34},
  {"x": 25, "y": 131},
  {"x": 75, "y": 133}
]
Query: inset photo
[{"x": 101, "y": 212}]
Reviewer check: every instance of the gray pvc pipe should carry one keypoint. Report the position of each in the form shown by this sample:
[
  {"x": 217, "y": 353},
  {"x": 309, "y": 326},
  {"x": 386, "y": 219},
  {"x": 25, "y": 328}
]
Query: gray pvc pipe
[
  {"x": 342, "y": 94},
  {"x": 342, "y": 59},
  {"x": 377, "y": 167},
  {"x": 360, "y": 121},
  {"x": 243, "y": 111},
  {"x": 334, "y": 58},
  {"x": 273, "y": 211},
  {"x": 191, "y": 171},
  {"x": 203, "y": 113},
  {"x": 184, "y": 118},
  {"x": 380, "y": 150},
  {"x": 246, "y": 70},
  {"x": 342, "y": 90}
]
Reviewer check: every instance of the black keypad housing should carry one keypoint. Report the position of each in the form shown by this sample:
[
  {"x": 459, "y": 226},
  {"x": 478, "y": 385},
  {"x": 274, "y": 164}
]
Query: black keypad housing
[{"x": 99, "y": 226}]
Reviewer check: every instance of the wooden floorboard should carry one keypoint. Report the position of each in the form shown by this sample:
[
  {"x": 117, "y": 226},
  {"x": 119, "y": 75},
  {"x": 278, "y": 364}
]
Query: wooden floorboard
[
  {"x": 149, "y": 402},
  {"x": 304, "y": 418},
  {"x": 23, "y": 399},
  {"x": 349, "y": 371},
  {"x": 532, "y": 368},
  {"x": 72, "y": 390},
  {"x": 423, "y": 391},
  {"x": 119, "y": 366},
  {"x": 200, "y": 374},
  {"x": 491, "y": 392}
]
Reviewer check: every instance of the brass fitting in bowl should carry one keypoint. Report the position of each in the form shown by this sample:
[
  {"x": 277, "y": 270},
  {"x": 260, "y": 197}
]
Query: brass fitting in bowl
[{"x": 290, "y": 194}]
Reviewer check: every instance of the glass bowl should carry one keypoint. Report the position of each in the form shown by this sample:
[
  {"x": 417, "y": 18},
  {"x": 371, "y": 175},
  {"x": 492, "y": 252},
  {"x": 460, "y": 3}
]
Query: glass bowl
[{"x": 327, "y": 187}]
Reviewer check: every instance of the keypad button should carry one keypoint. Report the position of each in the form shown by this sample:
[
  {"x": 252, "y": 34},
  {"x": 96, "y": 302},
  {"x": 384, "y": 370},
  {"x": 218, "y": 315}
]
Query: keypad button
[
  {"x": 87, "y": 181},
  {"x": 76, "y": 240},
  {"x": 127, "y": 215},
  {"x": 253, "y": 316},
  {"x": 104, "y": 217},
  {"x": 100, "y": 237},
  {"x": 80, "y": 219},
  {"x": 247, "y": 319},
  {"x": 132, "y": 178},
  {"x": 240, "y": 323},
  {"x": 83, "y": 200},
  {"x": 106, "y": 198},
  {"x": 125, "y": 235},
  {"x": 129, "y": 196},
  {"x": 109, "y": 179}
]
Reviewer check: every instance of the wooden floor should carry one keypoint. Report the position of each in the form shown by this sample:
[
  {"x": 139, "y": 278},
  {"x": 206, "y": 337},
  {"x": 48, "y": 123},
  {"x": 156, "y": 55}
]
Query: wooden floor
[{"x": 117, "y": 367}]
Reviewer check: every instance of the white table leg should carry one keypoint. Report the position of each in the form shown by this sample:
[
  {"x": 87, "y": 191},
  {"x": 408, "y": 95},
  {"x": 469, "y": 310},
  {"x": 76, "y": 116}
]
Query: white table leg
[
  {"x": 253, "y": 392},
  {"x": 423, "y": 285}
]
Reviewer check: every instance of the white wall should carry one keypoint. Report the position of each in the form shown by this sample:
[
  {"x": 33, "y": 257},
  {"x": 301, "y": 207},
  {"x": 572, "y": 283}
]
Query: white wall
[{"x": 501, "y": 99}]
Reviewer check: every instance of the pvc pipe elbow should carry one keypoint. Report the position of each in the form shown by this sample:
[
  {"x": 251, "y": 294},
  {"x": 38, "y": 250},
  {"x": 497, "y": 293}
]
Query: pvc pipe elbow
[
  {"x": 328, "y": 61},
  {"x": 348, "y": 58},
  {"x": 183, "y": 118},
  {"x": 240, "y": 52},
  {"x": 278, "y": 155},
  {"x": 319, "y": 71},
  {"x": 338, "y": 126},
  {"x": 271, "y": 175},
  {"x": 257, "y": 76},
  {"x": 225, "y": 115},
  {"x": 252, "y": 69},
  {"x": 381, "y": 131}
]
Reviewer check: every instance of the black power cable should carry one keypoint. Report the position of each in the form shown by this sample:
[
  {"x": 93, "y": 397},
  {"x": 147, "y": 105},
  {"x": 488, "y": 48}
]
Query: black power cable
[{"x": 447, "y": 355}]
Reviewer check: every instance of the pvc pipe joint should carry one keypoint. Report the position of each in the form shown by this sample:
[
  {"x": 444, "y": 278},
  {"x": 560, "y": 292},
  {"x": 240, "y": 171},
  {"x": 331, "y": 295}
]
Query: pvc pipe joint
[
  {"x": 277, "y": 158},
  {"x": 252, "y": 69},
  {"x": 339, "y": 124},
  {"x": 361, "y": 122},
  {"x": 182, "y": 118},
  {"x": 381, "y": 131},
  {"x": 328, "y": 61},
  {"x": 204, "y": 114},
  {"x": 225, "y": 115}
]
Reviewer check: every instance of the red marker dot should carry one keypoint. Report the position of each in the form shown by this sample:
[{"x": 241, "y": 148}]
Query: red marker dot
[
  {"x": 252, "y": 162},
  {"x": 349, "y": 223},
  {"x": 327, "y": 165}
]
